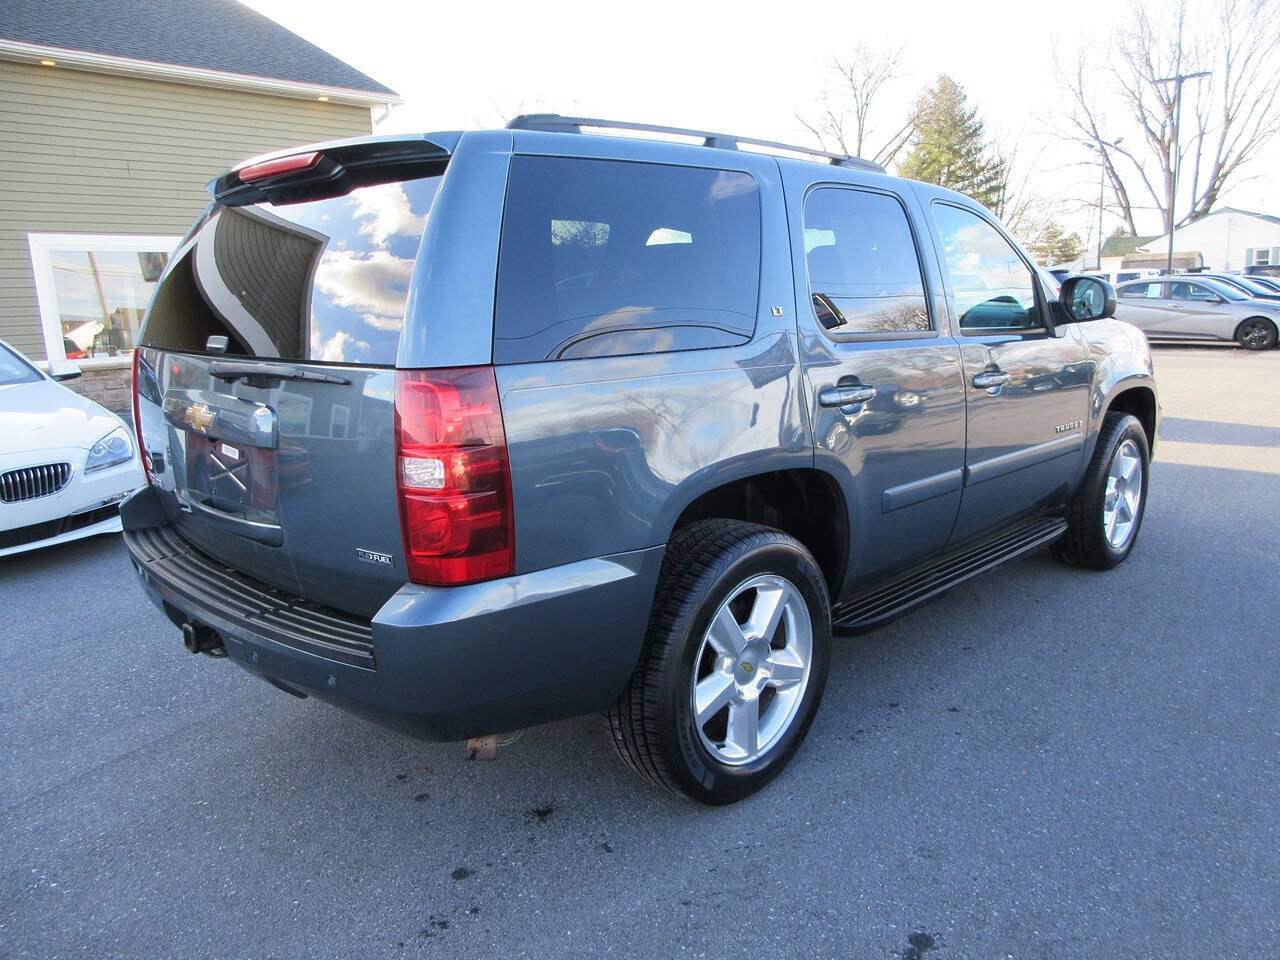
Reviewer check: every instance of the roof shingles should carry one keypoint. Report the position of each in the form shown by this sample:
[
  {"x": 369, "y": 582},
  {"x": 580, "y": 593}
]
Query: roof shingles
[
  {"x": 218, "y": 35},
  {"x": 1122, "y": 246}
]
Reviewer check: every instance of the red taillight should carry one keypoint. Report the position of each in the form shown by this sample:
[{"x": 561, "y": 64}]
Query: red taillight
[
  {"x": 453, "y": 477},
  {"x": 271, "y": 168},
  {"x": 137, "y": 420}
]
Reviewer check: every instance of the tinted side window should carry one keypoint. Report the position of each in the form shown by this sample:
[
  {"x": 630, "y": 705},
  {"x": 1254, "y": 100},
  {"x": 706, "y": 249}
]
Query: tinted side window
[
  {"x": 1190, "y": 291},
  {"x": 992, "y": 285},
  {"x": 864, "y": 274},
  {"x": 605, "y": 258}
]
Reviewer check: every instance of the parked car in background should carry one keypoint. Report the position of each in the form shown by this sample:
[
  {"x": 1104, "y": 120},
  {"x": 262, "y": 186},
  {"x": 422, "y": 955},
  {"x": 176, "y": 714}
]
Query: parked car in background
[
  {"x": 1247, "y": 285},
  {"x": 1182, "y": 308},
  {"x": 1271, "y": 283},
  {"x": 65, "y": 462}
]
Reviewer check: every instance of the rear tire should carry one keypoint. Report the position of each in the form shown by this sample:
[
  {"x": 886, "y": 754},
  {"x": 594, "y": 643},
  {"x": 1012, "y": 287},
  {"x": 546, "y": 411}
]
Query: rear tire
[
  {"x": 1256, "y": 333},
  {"x": 1104, "y": 517},
  {"x": 734, "y": 664}
]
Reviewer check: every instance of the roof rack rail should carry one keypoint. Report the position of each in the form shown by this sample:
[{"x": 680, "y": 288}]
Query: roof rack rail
[{"x": 554, "y": 122}]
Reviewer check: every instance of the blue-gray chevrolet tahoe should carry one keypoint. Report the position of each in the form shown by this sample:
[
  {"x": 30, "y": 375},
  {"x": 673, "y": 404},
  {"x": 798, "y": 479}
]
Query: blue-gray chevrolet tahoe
[{"x": 470, "y": 431}]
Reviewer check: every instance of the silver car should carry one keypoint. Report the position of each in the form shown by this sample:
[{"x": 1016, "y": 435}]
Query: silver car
[{"x": 1174, "y": 308}]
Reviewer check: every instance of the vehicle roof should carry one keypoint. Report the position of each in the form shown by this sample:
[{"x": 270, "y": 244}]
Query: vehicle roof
[
  {"x": 671, "y": 151},
  {"x": 1210, "y": 281},
  {"x": 633, "y": 144}
]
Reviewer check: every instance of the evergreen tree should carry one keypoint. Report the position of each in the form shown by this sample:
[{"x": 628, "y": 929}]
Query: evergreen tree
[
  {"x": 949, "y": 146},
  {"x": 1054, "y": 245}
]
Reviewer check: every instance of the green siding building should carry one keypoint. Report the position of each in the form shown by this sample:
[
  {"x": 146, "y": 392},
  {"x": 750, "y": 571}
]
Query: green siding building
[{"x": 113, "y": 116}]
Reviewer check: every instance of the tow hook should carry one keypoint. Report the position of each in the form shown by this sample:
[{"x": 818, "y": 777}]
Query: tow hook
[
  {"x": 486, "y": 748},
  {"x": 198, "y": 638}
]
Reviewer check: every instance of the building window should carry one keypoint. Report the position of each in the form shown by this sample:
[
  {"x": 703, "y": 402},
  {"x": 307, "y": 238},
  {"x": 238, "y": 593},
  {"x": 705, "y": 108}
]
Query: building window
[
  {"x": 1261, "y": 257},
  {"x": 93, "y": 289}
]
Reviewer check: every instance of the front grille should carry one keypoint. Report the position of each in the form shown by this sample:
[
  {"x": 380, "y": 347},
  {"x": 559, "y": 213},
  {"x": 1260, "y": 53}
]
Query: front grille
[
  {"x": 164, "y": 557},
  {"x": 54, "y": 528},
  {"x": 28, "y": 483}
]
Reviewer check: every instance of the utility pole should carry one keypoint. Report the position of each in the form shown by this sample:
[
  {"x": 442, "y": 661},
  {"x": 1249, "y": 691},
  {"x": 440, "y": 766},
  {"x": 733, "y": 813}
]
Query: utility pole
[
  {"x": 1102, "y": 189},
  {"x": 1175, "y": 161}
]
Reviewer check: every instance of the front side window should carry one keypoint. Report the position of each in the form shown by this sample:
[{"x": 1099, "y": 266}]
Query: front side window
[
  {"x": 610, "y": 258},
  {"x": 993, "y": 287},
  {"x": 864, "y": 274},
  {"x": 93, "y": 290},
  {"x": 1190, "y": 291}
]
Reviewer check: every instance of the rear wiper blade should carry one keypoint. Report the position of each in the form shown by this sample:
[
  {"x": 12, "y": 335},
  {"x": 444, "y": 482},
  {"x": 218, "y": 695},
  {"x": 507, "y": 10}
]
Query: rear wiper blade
[{"x": 230, "y": 370}]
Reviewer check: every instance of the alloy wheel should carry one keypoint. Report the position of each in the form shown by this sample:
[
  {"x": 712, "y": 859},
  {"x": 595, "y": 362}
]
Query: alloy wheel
[
  {"x": 1122, "y": 502},
  {"x": 752, "y": 669},
  {"x": 1255, "y": 334}
]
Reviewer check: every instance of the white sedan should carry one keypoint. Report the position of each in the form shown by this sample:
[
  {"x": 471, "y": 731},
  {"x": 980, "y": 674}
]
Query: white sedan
[{"x": 65, "y": 462}]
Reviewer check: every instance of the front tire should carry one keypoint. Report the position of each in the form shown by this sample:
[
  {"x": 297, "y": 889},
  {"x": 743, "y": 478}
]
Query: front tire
[
  {"x": 734, "y": 664},
  {"x": 1104, "y": 517},
  {"x": 1256, "y": 333}
]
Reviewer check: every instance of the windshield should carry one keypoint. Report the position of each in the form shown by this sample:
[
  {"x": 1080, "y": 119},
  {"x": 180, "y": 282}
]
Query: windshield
[
  {"x": 14, "y": 369},
  {"x": 1226, "y": 290},
  {"x": 322, "y": 280},
  {"x": 1255, "y": 287}
]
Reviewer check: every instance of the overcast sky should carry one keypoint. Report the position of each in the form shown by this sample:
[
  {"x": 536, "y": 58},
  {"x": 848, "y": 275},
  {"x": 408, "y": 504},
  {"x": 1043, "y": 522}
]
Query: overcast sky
[{"x": 740, "y": 68}]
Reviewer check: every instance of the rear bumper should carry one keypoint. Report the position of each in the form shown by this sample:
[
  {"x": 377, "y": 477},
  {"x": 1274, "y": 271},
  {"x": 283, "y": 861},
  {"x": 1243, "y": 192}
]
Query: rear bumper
[{"x": 444, "y": 663}]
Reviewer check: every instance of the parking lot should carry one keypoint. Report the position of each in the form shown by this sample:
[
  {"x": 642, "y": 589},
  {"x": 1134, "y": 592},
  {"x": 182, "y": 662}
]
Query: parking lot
[{"x": 1045, "y": 762}]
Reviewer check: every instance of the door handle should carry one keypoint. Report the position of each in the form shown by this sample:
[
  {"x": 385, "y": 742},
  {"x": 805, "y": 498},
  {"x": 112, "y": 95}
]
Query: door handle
[
  {"x": 985, "y": 381},
  {"x": 848, "y": 399}
]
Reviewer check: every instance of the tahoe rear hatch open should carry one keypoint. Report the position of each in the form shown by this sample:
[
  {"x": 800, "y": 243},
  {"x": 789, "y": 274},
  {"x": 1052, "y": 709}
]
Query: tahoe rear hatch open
[{"x": 265, "y": 380}]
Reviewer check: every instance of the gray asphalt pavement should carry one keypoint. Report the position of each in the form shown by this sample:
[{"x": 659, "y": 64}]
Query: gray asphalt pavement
[{"x": 1045, "y": 763}]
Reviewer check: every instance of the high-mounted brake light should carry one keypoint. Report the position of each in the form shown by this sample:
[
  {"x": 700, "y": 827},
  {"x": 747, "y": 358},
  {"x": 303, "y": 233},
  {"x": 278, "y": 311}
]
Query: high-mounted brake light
[
  {"x": 453, "y": 476},
  {"x": 271, "y": 168},
  {"x": 137, "y": 419}
]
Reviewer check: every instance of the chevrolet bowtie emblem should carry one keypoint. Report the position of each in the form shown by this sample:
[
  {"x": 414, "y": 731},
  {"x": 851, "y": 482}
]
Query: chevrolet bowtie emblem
[{"x": 200, "y": 416}]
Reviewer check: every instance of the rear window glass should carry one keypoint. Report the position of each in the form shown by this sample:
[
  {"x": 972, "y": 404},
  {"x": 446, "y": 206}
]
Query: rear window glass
[
  {"x": 324, "y": 280},
  {"x": 606, "y": 258}
]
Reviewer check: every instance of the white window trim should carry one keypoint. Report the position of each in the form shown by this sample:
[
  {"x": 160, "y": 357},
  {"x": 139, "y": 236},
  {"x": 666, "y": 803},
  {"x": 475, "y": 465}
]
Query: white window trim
[{"x": 42, "y": 246}]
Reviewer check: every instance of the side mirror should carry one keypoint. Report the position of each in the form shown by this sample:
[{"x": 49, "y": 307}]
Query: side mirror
[
  {"x": 1085, "y": 298},
  {"x": 63, "y": 370}
]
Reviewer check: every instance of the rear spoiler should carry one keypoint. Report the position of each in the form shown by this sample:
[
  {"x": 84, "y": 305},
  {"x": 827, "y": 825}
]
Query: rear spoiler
[{"x": 333, "y": 168}]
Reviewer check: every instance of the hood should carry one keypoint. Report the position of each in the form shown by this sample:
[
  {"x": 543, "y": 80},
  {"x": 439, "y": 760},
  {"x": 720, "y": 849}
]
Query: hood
[{"x": 46, "y": 415}]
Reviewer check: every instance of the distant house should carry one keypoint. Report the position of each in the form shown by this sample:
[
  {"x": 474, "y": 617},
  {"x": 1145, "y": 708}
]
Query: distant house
[
  {"x": 1226, "y": 239},
  {"x": 113, "y": 116}
]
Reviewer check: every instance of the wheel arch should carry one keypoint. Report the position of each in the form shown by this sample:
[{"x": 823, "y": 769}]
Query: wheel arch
[
  {"x": 1235, "y": 334},
  {"x": 803, "y": 502},
  {"x": 1140, "y": 401}
]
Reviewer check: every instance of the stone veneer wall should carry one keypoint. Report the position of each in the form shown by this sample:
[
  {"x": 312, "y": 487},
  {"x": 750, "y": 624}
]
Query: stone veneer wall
[{"x": 110, "y": 387}]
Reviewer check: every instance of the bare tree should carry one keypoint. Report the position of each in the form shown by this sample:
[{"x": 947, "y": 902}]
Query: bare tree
[
  {"x": 1023, "y": 210},
  {"x": 843, "y": 124},
  {"x": 1229, "y": 117}
]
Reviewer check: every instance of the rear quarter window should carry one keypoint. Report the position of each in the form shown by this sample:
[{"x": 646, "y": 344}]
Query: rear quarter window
[{"x": 608, "y": 258}]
